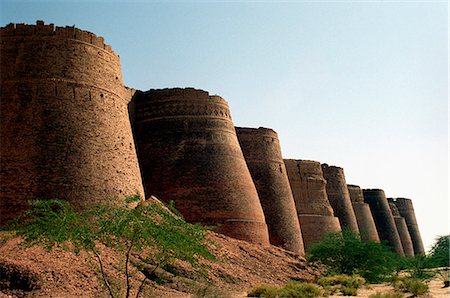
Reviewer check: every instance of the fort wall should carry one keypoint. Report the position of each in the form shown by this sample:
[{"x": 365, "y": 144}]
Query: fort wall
[
  {"x": 189, "y": 153},
  {"x": 406, "y": 210},
  {"x": 402, "y": 230},
  {"x": 262, "y": 152},
  {"x": 314, "y": 211},
  {"x": 64, "y": 126},
  {"x": 339, "y": 197},
  {"x": 384, "y": 220},
  {"x": 366, "y": 224}
]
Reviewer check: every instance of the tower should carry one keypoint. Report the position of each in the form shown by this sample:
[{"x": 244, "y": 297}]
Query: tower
[
  {"x": 366, "y": 224},
  {"x": 406, "y": 209},
  {"x": 402, "y": 230},
  {"x": 339, "y": 197},
  {"x": 262, "y": 152},
  {"x": 314, "y": 211},
  {"x": 384, "y": 220},
  {"x": 65, "y": 129},
  {"x": 189, "y": 153}
]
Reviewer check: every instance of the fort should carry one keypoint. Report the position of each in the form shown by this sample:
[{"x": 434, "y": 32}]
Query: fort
[
  {"x": 339, "y": 197},
  {"x": 70, "y": 129},
  {"x": 314, "y": 211},
  {"x": 64, "y": 126},
  {"x": 364, "y": 217},
  {"x": 384, "y": 220},
  {"x": 262, "y": 152}
]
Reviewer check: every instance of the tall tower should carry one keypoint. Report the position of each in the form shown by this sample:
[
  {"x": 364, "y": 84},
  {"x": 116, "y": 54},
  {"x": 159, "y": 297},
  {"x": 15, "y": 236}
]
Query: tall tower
[
  {"x": 65, "y": 130},
  {"x": 363, "y": 215},
  {"x": 402, "y": 230},
  {"x": 384, "y": 220},
  {"x": 339, "y": 197},
  {"x": 406, "y": 209},
  {"x": 262, "y": 152},
  {"x": 189, "y": 153},
  {"x": 314, "y": 211}
]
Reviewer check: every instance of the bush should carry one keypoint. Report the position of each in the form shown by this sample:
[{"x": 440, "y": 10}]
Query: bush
[
  {"x": 50, "y": 222},
  {"x": 347, "y": 285},
  {"x": 444, "y": 276},
  {"x": 346, "y": 253},
  {"x": 290, "y": 290},
  {"x": 391, "y": 294},
  {"x": 440, "y": 252},
  {"x": 411, "y": 285},
  {"x": 418, "y": 267}
]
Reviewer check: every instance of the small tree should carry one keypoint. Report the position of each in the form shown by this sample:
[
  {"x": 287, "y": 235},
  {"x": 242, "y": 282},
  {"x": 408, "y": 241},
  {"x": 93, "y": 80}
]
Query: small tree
[
  {"x": 440, "y": 252},
  {"x": 346, "y": 253},
  {"x": 49, "y": 222}
]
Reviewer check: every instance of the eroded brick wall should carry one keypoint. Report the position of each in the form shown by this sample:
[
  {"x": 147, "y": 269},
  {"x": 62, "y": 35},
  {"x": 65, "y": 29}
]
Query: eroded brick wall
[
  {"x": 189, "y": 153},
  {"x": 402, "y": 230},
  {"x": 64, "y": 128},
  {"x": 314, "y": 211},
  {"x": 363, "y": 215},
  {"x": 384, "y": 220},
  {"x": 406, "y": 210},
  {"x": 262, "y": 152},
  {"x": 339, "y": 197}
]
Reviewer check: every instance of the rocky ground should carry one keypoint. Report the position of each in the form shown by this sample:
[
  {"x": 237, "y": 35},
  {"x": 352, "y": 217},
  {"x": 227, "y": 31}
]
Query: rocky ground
[{"x": 36, "y": 272}]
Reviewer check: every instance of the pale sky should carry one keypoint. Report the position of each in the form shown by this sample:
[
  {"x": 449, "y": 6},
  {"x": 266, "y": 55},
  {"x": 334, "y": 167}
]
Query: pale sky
[{"x": 358, "y": 84}]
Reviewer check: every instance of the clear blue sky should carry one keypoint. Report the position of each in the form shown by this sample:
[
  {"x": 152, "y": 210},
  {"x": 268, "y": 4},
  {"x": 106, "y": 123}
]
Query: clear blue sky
[{"x": 358, "y": 84}]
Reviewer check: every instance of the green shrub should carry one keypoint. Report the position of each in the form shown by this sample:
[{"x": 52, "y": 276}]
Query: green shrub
[
  {"x": 346, "y": 253},
  {"x": 290, "y": 290},
  {"x": 418, "y": 267},
  {"x": 440, "y": 252},
  {"x": 347, "y": 285},
  {"x": 346, "y": 291},
  {"x": 50, "y": 222},
  {"x": 266, "y": 291},
  {"x": 411, "y": 285},
  {"x": 391, "y": 294},
  {"x": 444, "y": 276}
]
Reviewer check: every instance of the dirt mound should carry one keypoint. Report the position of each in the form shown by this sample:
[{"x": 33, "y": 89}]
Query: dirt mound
[{"x": 36, "y": 272}]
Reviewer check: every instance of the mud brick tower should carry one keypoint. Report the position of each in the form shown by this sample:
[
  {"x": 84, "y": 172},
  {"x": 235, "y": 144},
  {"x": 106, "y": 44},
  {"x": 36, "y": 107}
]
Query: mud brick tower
[
  {"x": 65, "y": 130},
  {"x": 384, "y": 220},
  {"x": 314, "y": 211},
  {"x": 262, "y": 152},
  {"x": 406, "y": 210},
  {"x": 402, "y": 230},
  {"x": 189, "y": 153},
  {"x": 339, "y": 197},
  {"x": 363, "y": 215}
]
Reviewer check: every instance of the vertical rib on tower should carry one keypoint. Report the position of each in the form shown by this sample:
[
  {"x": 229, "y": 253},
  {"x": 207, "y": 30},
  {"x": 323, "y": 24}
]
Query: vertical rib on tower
[
  {"x": 364, "y": 217},
  {"x": 313, "y": 208},
  {"x": 406, "y": 209},
  {"x": 262, "y": 152},
  {"x": 339, "y": 197},
  {"x": 402, "y": 230},
  {"x": 384, "y": 220},
  {"x": 189, "y": 153},
  {"x": 65, "y": 129}
]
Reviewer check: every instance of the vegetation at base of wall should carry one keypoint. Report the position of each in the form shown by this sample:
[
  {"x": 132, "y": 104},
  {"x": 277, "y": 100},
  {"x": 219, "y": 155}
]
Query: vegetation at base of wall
[
  {"x": 290, "y": 290},
  {"x": 129, "y": 230},
  {"x": 346, "y": 253},
  {"x": 418, "y": 267},
  {"x": 391, "y": 294},
  {"x": 411, "y": 285},
  {"x": 345, "y": 284},
  {"x": 444, "y": 276}
]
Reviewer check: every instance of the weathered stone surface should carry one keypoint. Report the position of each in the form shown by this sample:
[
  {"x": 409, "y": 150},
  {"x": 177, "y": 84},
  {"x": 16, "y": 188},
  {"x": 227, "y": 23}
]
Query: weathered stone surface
[
  {"x": 314, "y": 211},
  {"x": 406, "y": 210},
  {"x": 65, "y": 130},
  {"x": 189, "y": 153},
  {"x": 402, "y": 230},
  {"x": 339, "y": 197},
  {"x": 262, "y": 152},
  {"x": 384, "y": 221},
  {"x": 366, "y": 224}
]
